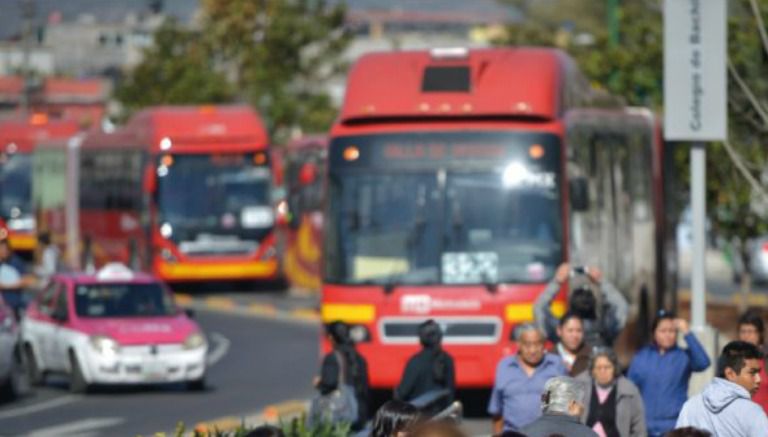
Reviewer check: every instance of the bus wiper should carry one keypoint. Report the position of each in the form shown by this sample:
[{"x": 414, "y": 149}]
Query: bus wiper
[{"x": 389, "y": 287}]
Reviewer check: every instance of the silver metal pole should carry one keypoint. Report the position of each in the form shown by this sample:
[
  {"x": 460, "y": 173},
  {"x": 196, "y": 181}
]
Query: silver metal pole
[
  {"x": 698, "y": 218},
  {"x": 72, "y": 204}
]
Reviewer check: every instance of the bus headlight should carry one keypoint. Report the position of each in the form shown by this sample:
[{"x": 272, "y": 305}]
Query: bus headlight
[
  {"x": 194, "y": 341},
  {"x": 104, "y": 345},
  {"x": 168, "y": 256},
  {"x": 268, "y": 254}
]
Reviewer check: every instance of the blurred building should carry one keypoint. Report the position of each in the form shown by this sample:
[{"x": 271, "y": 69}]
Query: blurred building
[{"x": 83, "y": 100}]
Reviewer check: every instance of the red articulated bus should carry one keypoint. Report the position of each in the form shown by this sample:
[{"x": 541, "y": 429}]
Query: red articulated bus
[
  {"x": 18, "y": 138},
  {"x": 458, "y": 180},
  {"x": 304, "y": 163},
  {"x": 183, "y": 192}
]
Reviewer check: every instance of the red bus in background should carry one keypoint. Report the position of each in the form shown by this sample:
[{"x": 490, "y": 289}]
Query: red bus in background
[
  {"x": 183, "y": 192},
  {"x": 18, "y": 138},
  {"x": 458, "y": 180},
  {"x": 304, "y": 163}
]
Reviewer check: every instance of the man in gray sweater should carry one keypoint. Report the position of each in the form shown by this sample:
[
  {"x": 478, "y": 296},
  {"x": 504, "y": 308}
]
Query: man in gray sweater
[{"x": 725, "y": 407}]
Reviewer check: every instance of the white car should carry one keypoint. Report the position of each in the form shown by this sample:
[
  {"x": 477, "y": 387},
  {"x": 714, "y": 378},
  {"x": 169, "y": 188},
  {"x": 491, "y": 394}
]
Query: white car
[{"x": 115, "y": 327}]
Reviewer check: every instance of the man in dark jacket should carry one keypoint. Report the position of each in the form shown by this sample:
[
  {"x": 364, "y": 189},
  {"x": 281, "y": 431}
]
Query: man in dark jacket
[
  {"x": 562, "y": 406},
  {"x": 602, "y": 323},
  {"x": 429, "y": 378}
]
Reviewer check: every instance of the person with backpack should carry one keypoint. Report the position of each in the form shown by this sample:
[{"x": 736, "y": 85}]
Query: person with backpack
[
  {"x": 343, "y": 382},
  {"x": 602, "y": 323},
  {"x": 429, "y": 379}
]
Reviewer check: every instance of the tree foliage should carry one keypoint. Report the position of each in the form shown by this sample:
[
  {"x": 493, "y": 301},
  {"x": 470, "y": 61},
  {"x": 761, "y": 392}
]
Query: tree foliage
[
  {"x": 275, "y": 54},
  {"x": 177, "y": 69}
]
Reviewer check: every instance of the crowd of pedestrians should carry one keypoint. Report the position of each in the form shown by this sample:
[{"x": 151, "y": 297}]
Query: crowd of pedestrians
[{"x": 579, "y": 388}]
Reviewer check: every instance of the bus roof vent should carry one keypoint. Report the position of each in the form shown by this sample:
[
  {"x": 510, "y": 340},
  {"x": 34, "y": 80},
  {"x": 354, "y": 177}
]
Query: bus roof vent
[{"x": 446, "y": 79}]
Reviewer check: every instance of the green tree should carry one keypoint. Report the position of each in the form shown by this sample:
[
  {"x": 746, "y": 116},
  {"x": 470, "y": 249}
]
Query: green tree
[
  {"x": 177, "y": 69},
  {"x": 737, "y": 171},
  {"x": 281, "y": 52}
]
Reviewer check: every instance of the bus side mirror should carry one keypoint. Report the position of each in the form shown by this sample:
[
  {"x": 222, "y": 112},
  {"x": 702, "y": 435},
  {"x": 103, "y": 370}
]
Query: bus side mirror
[
  {"x": 149, "y": 181},
  {"x": 579, "y": 191}
]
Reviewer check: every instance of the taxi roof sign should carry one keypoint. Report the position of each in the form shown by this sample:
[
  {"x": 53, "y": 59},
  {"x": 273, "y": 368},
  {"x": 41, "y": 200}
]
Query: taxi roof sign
[{"x": 114, "y": 271}]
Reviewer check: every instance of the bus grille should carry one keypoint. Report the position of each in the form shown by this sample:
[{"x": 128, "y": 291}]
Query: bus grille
[{"x": 455, "y": 330}]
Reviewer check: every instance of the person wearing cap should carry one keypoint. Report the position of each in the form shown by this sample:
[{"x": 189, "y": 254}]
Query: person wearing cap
[
  {"x": 661, "y": 371},
  {"x": 429, "y": 378},
  {"x": 598, "y": 331}
]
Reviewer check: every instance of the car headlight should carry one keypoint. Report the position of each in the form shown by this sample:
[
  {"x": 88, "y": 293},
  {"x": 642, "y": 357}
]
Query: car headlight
[
  {"x": 194, "y": 341},
  {"x": 105, "y": 345}
]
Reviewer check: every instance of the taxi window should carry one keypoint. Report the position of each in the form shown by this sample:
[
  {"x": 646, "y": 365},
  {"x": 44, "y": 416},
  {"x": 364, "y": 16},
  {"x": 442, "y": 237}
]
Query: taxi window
[{"x": 123, "y": 300}]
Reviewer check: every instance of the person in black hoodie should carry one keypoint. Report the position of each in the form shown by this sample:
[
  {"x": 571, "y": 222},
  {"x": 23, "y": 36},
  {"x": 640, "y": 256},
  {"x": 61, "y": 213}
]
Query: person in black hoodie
[
  {"x": 429, "y": 379},
  {"x": 355, "y": 370}
]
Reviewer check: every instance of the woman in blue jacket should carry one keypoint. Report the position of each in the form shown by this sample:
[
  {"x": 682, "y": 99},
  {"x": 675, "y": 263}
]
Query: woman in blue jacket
[{"x": 661, "y": 371}]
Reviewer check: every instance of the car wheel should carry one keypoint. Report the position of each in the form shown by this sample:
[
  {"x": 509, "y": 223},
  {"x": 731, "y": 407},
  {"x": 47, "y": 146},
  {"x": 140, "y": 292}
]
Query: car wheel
[
  {"x": 77, "y": 382},
  {"x": 196, "y": 384},
  {"x": 35, "y": 376}
]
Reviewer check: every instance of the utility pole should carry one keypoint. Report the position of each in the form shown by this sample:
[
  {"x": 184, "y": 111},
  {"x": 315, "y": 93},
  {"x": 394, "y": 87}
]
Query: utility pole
[{"x": 28, "y": 10}]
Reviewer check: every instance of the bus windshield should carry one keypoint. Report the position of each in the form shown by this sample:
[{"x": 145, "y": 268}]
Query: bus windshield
[
  {"x": 222, "y": 194},
  {"x": 444, "y": 208},
  {"x": 15, "y": 185}
]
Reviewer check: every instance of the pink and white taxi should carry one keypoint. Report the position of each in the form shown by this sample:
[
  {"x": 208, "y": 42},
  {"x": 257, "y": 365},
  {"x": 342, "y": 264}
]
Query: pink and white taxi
[{"x": 115, "y": 327}]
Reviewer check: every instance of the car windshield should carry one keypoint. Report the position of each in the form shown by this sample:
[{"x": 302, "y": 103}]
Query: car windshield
[
  {"x": 15, "y": 185},
  {"x": 220, "y": 194},
  {"x": 123, "y": 300},
  {"x": 454, "y": 219}
]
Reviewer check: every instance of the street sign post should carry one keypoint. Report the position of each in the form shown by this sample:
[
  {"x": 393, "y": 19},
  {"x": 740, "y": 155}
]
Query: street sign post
[{"x": 695, "y": 108}]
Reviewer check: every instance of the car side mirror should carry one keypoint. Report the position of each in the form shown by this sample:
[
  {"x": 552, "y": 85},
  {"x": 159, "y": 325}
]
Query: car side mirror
[
  {"x": 579, "y": 192},
  {"x": 190, "y": 313},
  {"x": 60, "y": 316}
]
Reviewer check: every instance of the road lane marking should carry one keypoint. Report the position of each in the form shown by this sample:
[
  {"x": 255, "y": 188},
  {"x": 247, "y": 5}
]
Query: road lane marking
[
  {"x": 42, "y": 406},
  {"x": 220, "y": 348},
  {"x": 220, "y": 303},
  {"x": 184, "y": 299},
  {"x": 78, "y": 427}
]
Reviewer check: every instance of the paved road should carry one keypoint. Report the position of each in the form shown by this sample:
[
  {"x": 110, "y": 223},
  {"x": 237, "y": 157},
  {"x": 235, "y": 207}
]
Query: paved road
[{"x": 259, "y": 362}]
